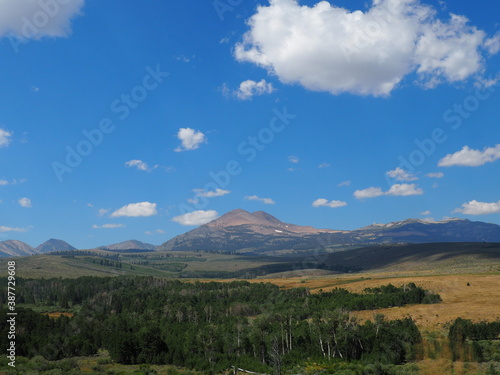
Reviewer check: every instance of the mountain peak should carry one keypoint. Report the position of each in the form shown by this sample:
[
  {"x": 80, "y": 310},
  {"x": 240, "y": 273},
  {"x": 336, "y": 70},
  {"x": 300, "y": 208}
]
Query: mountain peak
[
  {"x": 236, "y": 217},
  {"x": 54, "y": 245}
]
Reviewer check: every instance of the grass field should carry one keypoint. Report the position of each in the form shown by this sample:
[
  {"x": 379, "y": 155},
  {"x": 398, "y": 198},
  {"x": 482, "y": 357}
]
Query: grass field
[{"x": 480, "y": 300}]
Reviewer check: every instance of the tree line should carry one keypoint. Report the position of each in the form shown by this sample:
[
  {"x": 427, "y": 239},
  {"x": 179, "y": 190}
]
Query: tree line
[{"x": 212, "y": 326}]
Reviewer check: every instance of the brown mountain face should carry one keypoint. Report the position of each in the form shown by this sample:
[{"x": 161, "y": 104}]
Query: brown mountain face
[
  {"x": 242, "y": 231},
  {"x": 15, "y": 248},
  {"x": 262, "y": 223}
]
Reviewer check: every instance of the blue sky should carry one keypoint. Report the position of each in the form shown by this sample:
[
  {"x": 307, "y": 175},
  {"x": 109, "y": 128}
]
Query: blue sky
[{"x": 126, "y": 119}]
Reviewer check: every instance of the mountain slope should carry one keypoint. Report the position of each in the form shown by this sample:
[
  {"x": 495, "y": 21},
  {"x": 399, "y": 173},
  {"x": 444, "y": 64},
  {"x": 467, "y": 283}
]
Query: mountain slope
[
  {"x": 14, "y": 248},
  {"x": 129, "y": 245},
  {"x": 54, "y": 245},
  {"x": 242, "y": 231}
]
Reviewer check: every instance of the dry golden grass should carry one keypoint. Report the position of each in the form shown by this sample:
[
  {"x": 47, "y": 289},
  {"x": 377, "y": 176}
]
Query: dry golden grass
[{"x": 479, "y": 302}]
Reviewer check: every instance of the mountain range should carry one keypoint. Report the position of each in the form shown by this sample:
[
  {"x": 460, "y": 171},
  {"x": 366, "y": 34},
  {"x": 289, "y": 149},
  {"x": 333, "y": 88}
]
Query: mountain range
[
  {"x": 18, "y": 248},
  {"x": 259, "y": 232}
]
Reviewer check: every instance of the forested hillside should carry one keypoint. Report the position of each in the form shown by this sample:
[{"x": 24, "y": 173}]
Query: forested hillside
[{"x": 211, "y": 326}]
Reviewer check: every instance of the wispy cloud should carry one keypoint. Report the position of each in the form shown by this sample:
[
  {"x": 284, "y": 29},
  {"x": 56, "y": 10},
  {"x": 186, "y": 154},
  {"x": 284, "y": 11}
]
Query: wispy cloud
[
  {"x": 207, "y": 194},
  {"x": 401, "y": 175},
  {"x": 344, "y": 183},
  {"x": 293, "y": 159},
  {"x": 332, "y": 204},
  {"x": 5, "y": 138},
  {"x": 140, "y": 165},
  {"x": 11, "y": 229},
  {"x": 257, "y": 198},
  {"x": 211, "y": 194},
  {"x": 108, "y": 226},
  {"x": 435, "y": 175},
  {"x": 394, "y": 190},
  {"x": 324, "y": 165}
]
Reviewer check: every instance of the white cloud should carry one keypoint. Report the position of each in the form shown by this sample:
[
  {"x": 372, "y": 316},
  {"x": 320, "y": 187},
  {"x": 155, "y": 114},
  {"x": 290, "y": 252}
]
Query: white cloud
[
  {"x": 211, "y": 194},
  {"x": 404, "y": 190},
  {"x": 24, "y": 202},
  {"x": 324, "y": 202},
  {"x": 108, "y": 226},
  {"x": 190, "y": 139},
  {"x": 328, "y": 48},
  {"x": 5, "y": 137},
  {"x": 139, "y": 164},
  {"x": 401, "y": 175},
  {"x": 344, "y": 183},
  {"x": 435, "y": 175},
  {"x": 479, "y": 208},
  {"x": 425, "y": 213},
  {"x": 136, "y": 210},
  {"x": 10, "y": 229},
  {"x": 257, "y": 198},
  {"x": 471, "y": 158},
  {"x": 394, "y": 190},
  {"x": 28, "y": 19},
  {"x": 493, "y": 44},
  {"x": 324, "y": 165},
  {"x": 293, "y": 159},
  {"x": 249, "y": 89},
  {"x": 371, "y": 192},
  {"x": 207, "y": 194},
  {"x": 196, "y": 217},
  {"x": 12, "y": 182}
]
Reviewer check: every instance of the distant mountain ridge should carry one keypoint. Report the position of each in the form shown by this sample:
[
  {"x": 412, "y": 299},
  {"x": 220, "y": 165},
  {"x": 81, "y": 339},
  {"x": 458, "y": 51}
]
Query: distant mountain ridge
[
  {"x": 14, "y": 248},
  {"x": 260, "y": 232},
  {"x": 242, "y": 231},
  {"x": 129, "y": 245}
]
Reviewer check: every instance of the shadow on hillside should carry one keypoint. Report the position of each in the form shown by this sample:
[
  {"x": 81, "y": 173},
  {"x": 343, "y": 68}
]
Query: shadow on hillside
[{"x": 379, "y": 256}]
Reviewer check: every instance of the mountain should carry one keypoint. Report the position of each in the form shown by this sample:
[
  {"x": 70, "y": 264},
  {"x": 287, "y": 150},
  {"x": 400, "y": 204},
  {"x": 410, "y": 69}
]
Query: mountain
[
  {"x": 54, "y": 245},
  {"x": 14, "y": 248},
  {"x": 240, "y": 230},
  {"x": 257, "y": 232},
  {"x": 129, "y": 245},
  {"x": 422, "y": 231}
]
